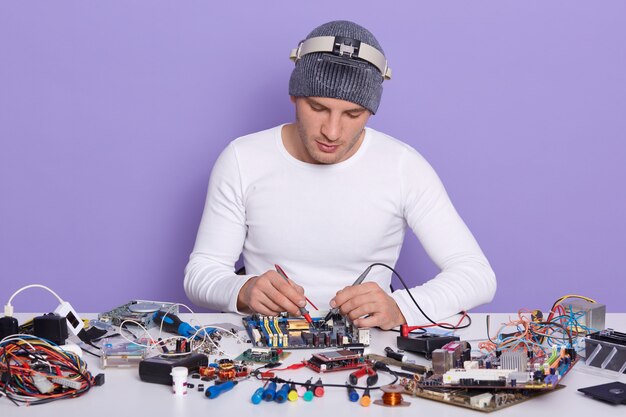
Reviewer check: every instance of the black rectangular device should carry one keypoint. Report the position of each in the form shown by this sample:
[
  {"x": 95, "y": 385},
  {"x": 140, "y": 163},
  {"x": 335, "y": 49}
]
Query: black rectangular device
[
  {"x": 158, "y": 368},
  {"x": 424, "y": 343}
]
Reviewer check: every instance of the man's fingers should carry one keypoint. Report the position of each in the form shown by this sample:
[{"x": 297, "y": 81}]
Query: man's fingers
[
  {"x": 374, "y": 320},
  {"x": 292, "y": 291},
  {"x": 363, "y": 309},
  {"x": 349, "y": 293},
  {"x": 263, "y": 305}
]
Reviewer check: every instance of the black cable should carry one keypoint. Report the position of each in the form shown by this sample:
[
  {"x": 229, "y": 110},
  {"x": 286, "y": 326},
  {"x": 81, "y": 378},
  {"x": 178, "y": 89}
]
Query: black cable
[
  {"x": 279, "y": 380},
  {"x": 90, "y": 352},
  {"x": 443, "y": 326},
  {"x": 569, "y": 336}
]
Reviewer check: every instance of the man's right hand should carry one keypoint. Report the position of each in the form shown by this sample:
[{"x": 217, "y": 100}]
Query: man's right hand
[{"x": 270, "y": 294}]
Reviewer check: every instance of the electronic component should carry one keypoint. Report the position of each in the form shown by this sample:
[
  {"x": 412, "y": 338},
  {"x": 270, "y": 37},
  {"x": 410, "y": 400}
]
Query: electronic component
[
  {"x": 424, "y": 343},
  {"x": 515, "y": 372},
  {"x": 411, "y": 367},
  {"x": 593, "y": 317},
  {"x": 475, "y": 399},
  {"x": 158, "y": 368},
  {"x": 8, "y": 326},
  {"x": 263, "y": 355},
  {"x": 74, "y": 323},
  {"x": 122, "y": 355},
  {"x": 51, "y": 327},
  {"x": 140, "y": 311},
  {"x": 296, "y": 333},
  {"x": 607, "y": 350},
  {"x": 335, "y": 361}
]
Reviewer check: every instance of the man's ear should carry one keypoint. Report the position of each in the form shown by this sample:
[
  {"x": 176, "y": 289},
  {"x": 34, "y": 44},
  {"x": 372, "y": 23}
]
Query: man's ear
[{"x": 293, "y": 99}]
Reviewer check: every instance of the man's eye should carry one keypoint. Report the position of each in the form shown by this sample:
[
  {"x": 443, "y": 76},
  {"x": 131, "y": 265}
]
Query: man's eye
[
  {"x": 354, "y": 115},
  {"x": 315, "y": 108}
]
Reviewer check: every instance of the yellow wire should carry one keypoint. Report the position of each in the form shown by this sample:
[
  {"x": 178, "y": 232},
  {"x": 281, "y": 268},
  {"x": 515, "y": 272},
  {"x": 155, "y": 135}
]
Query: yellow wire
[{"x": 565, "y": 297}]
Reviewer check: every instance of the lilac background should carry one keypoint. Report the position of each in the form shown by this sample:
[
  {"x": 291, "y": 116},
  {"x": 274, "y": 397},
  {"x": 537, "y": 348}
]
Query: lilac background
[{"x": 112, "y": 114}]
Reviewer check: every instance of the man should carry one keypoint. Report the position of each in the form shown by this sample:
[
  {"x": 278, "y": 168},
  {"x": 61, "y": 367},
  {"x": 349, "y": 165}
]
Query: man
[{"x": 325, "y": 197}]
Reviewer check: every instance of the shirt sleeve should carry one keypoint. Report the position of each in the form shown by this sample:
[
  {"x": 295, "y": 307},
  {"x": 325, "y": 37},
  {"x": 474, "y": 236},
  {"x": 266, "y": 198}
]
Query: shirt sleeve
[
  {"x": 466, "y": 279},
  {"x": 210, "y": 278}
]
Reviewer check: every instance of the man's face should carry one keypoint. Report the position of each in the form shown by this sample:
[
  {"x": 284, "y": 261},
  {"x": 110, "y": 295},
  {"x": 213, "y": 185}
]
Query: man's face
[{"x": 330, "y": 130}]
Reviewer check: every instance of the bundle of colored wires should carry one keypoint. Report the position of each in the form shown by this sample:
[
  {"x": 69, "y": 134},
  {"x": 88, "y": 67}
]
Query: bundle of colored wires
[
  {"x": 525, "y": 334},
  {"x": 36, "y": 371}
]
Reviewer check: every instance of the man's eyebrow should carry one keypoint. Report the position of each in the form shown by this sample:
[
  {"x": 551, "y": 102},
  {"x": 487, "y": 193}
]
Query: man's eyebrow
[
  {"x": 355, "y": 110},
  {"x": 317, "y": 103}
]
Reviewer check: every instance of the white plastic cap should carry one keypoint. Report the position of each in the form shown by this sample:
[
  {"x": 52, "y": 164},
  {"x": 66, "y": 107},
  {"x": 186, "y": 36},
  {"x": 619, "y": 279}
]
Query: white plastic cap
[{"x": 179, "y": 372}]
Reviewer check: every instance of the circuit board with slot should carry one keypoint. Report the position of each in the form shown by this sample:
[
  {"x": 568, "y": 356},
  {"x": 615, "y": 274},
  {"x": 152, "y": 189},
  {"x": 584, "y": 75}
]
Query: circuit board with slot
[
  {"x": 296, "y": 333},
  {"x": 511, "y": 371},
  {"x": 475, "y": 398}
]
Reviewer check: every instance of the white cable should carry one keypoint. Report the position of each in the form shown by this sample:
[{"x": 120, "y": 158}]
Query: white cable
[
  {"x": 138, "y": 324},
  {"x": 19, "y": 337},
  {"x": 8, "y": 308}
]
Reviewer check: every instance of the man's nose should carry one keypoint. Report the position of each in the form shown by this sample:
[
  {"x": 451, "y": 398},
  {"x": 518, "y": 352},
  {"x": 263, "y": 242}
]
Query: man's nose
[{"x": 331, "y": 128}]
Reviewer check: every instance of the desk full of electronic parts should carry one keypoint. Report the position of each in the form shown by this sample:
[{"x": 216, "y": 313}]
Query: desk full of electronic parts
[{"x": 124, "y": 394}]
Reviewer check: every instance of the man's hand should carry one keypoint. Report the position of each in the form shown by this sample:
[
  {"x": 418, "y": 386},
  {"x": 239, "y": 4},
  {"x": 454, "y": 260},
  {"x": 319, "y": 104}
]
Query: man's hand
[
  {"x": 370, "y": 300},
  {"x": 270, "y": 294}
]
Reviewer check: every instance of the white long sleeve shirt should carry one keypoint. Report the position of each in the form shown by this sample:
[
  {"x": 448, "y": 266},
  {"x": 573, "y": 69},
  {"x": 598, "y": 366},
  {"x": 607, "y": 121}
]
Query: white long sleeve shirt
[{"x": 324, "y": 224}]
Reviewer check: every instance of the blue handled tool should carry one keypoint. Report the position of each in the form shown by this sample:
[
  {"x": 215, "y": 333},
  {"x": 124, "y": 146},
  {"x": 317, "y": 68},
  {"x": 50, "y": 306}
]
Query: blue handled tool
[
  {"x": 215, "y": 390},
  {"x": 173, "y": 324}
]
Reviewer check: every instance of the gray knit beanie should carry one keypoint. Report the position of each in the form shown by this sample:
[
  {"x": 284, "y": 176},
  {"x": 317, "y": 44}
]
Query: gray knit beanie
[{"x": 323, "y": 74}]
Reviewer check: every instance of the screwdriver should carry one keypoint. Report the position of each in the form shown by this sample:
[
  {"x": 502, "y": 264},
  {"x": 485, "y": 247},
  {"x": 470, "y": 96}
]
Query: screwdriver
[
  {"x": 215, "y": 390},
  {"x": 173, "y": 324},
  {"x": 303, "y": 311}
]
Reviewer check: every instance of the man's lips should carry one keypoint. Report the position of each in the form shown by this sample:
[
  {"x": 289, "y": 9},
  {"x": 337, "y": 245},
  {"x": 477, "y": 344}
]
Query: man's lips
[{"x": 327, "y": 148}]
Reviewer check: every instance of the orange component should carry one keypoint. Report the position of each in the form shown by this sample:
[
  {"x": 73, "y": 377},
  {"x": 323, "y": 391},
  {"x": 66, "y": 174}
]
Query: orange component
[{"x": 207, "y": 371}]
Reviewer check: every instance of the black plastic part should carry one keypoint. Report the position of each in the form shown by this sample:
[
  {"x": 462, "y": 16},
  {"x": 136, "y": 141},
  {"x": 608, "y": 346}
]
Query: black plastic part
[
  {"x": 424, "y": 343},
  {"x": 99, "y": 380},
  {"x": 157, "y": 369},
  {"x": 51, "y": 327},
  {"x": 8, "y": 327}
]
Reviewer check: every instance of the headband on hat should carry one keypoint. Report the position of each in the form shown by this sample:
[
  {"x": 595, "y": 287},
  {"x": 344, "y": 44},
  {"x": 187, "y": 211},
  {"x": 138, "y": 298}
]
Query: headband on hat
[{"x": 344, "y": 47}]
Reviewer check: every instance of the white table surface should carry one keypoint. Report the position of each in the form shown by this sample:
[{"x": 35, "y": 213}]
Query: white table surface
[{"x": 123, "y": 394}]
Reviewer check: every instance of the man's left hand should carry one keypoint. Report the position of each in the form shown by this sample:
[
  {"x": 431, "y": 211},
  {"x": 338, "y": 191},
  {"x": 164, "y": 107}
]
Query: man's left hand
[{"x": 368, "y": 299}]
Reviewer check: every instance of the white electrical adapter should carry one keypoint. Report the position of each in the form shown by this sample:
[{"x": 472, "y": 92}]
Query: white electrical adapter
[{"x": 74, "y": 322}]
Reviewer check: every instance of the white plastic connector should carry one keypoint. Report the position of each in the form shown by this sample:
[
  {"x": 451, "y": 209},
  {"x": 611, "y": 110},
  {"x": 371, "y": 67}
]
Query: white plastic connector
[
  {"x": 42, "y": 384},
  {"x": 67, "y": 383},
  {"x": 74, "y": 323},
  {"x": 8, "y": 310}
]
